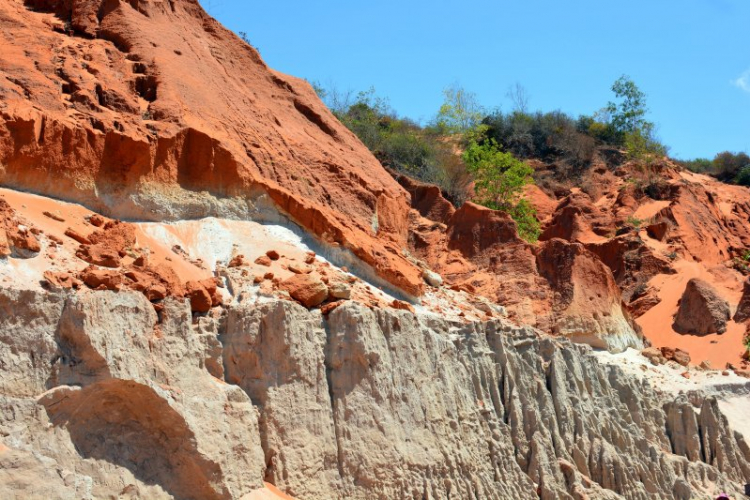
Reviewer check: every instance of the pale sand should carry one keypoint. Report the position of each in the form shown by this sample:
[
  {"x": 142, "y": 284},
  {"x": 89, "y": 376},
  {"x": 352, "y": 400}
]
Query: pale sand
[{"x": 732, "y": 391}]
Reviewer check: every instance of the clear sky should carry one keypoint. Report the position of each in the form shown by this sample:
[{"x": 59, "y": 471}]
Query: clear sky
[{"x": 691, "y": 57}]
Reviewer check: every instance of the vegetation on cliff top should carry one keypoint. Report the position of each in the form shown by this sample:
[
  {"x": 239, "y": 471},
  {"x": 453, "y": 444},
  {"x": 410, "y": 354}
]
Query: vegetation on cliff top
[
  {"x": 726, "y": 166},
  {"x": 471, "y": 153}
]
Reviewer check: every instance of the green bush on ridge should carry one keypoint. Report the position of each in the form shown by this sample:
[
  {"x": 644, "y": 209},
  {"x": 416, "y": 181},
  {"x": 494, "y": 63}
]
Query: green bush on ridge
[
  {"x": 499, "y": 180},
  {"x": 465, "y": 144}
]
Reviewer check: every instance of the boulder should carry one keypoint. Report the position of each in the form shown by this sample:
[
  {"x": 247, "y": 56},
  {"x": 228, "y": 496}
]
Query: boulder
[
  {"x": 97, "y": 220},
  {"x": 200, "y": 298},
  {"x": 654, "y": 355},
  {"x": 52, "y": 216},
  {"x": 102, "y": 279},
  {"x": 212, "y": 286},
  {"x": 23, "y": 243},
  {"x": 99, "y": 255},
  {"x": 401, "y": 305},
  {"x": 263, "y": 260},
  {"x": 677, "y": 355},
  {"x": 432, "y": 278},
  {"x": 743, "y": 309},
  {"x": 298, "y": 268},
  {"x": 702, "y": 311},
  {"x": 237, "y": 261},
  {"x": 307, "y": 289},
  {"x": 340, "y": 291},
  {"x": 75, "y": 235},
  {"x": 61, "y": 280}
]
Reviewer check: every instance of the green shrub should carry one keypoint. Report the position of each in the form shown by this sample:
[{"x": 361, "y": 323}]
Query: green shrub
[
  {"x": 699, "y": 165},
  {"x": 727, "y": 165},
  {"x": 549, "y": 136},
  {"x": 528, "y": 225},
  {"x": 499, "y": 179},
  {"x": 635, "y": 222},
  {"x": 598, "y": 128},
  {"x": 743, "y": 177},
  {"x": 400, "y": 143},
  {"x": 641, "y": 144}
]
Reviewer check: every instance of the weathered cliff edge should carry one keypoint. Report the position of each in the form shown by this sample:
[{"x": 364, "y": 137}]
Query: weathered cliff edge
[{"x": 101, "y": 398}]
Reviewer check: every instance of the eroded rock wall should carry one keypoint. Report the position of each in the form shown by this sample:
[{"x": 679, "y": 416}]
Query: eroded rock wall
[
  {"x": 152, "y": 110},
  {"x": 101, "y": 397}
]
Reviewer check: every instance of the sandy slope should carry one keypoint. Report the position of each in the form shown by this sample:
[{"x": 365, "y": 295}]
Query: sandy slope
[{"x": 657, "y": 322}]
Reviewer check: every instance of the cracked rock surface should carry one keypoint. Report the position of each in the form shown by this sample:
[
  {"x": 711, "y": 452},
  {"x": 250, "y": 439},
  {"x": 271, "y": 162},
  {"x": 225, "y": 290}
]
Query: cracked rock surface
[{"x": 101, "y": 398}]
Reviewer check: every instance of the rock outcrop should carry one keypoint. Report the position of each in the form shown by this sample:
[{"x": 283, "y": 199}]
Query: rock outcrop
[
  {"x": 743, "y": 308},
  {"x": 133, "y": 369},
  {"x": 116, "y": 401},
  {"x": 16, "y": 237},
  {"x": 702, "y": 310},
  {"x": 577, "y": 219},
  {"x": 153, "y": 110},
  {"x": 588, "y": 306}
]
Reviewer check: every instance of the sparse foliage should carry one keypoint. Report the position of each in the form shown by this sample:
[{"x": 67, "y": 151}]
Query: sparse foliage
[
  {"x": 629, "y": 115},
  {"x": 243, "y": 36},
  {"x": 726, "y": 166},
  {"x": 628, "y": 121},
  {"x": 635, "y": 222},
  {"x": 550, "y": 136},
  {"x": 460, "y": 111},
  {"x": 399, "y": 143},
  {"x": 699, "y": 165},
  {"x": 519, "y": 96}
]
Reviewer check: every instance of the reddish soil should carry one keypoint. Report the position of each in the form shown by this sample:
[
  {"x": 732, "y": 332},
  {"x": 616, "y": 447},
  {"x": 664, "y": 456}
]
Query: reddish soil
[
  {"x": 111, "y": 103},
  {"x": 102, "y": 100}
]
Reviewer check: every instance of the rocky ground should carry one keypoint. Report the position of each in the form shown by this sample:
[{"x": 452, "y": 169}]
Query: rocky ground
[{"x": 222, "y": 294}]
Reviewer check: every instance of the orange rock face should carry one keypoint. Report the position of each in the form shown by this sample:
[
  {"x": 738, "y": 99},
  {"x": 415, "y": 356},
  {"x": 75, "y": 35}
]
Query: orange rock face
[
  {"x": 578, "y": 219},
  {"x": 587, "y": 302},
  {"x": 152, "y": 110},
  {"x": 16, "y": 238},
  {"x": 112, "y": 104}
]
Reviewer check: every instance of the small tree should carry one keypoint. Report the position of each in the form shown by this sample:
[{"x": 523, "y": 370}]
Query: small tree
[
  {"x": 499, "y": 179},
  {"x": 519, "y": 96},
  {"x": 628, "y": 119},
  {"x": 629, "y": 115},
  {"x": 460, "y": 111}
]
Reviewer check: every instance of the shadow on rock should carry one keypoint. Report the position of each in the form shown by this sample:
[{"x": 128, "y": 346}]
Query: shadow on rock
[{"x": 128, "y": 424}]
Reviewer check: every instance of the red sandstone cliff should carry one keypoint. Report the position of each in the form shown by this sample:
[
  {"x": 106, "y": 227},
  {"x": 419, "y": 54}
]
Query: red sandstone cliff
[{"x": 137, "y": 108}]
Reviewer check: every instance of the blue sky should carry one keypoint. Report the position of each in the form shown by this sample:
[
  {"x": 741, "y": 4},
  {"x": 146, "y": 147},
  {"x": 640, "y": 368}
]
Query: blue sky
[{"x": 691, "y": 57}]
